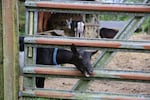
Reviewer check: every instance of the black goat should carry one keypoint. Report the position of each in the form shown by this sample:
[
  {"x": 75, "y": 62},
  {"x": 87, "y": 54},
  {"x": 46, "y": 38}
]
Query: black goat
[
  {"x": 80, "y": 58},
  {"x": 108, "y": 33}
]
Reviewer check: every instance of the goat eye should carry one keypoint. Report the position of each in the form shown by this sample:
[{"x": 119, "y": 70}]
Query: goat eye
[{"x": 80, "y": 57}]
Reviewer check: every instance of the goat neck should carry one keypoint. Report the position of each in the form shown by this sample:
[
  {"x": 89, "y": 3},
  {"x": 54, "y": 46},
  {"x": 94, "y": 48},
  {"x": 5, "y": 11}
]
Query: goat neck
[{"x": 64, "y": 56}]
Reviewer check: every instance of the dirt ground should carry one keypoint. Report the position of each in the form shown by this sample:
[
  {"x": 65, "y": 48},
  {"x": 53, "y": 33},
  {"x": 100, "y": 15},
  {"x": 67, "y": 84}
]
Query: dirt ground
[{"x": 123, "y": 61}]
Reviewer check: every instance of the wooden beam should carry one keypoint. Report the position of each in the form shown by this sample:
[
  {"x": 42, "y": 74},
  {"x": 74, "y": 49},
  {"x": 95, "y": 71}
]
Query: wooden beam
[
  {"x": 10, "y": 49},
  {"x": 1, "y": 56}
]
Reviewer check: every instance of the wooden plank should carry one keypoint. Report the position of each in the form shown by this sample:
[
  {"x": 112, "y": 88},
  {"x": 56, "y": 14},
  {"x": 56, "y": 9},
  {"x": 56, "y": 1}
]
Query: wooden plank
[
  {"x": 10, "y": 49},
  {"x": 88, "y": 6},
  {"x": 1, "y": 56}
]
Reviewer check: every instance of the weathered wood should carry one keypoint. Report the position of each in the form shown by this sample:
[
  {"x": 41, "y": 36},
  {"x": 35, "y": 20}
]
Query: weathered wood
[
  {"x": 10, "y": 48},
  {"x": 1, "y": 56}
]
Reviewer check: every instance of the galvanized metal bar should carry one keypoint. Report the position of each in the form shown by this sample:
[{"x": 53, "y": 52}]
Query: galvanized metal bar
[
  {"x": 27, "y": 23},
  {"x": 35, "y": 33},
  {"x": 31, "y": 23},
  {"x": 31, "y": 32},
  {"x": 58, "y": 94},
  {"x": 30, "y": 53},
  {"x": 73, "y": 72},
  {"x": 35, "y": 22},
  {"x": 28, "y": 81},
  {"x": 88, "y": 6},
  {"x": 94, "y": 43}
]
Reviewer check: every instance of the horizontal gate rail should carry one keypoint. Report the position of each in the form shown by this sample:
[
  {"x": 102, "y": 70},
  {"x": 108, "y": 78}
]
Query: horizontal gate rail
[
  {"x": 97, "y": 73},
  {"x": 46, "y": 93},
  {"x": 90, "y": 6},
  {"x": 93, "y": 43}
]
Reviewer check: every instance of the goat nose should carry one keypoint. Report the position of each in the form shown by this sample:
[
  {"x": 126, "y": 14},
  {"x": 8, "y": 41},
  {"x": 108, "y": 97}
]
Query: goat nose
[
  {"x": 86, "y": 74},
  {"x": 90, "y": 72}
]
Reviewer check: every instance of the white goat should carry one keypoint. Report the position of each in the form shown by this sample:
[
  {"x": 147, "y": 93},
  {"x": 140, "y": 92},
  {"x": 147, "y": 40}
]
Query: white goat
[{"x": 76, "y": 26}]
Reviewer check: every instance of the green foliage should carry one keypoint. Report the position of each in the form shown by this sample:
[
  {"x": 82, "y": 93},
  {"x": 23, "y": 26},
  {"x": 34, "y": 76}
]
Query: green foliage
[
  {"x": 134, "y": 1},
  {"x": 21, "y": 18},
  {"x": 0, "y": 17},
  {"x": 146, "y": 25},
  {"x": 114, "y": 17}
]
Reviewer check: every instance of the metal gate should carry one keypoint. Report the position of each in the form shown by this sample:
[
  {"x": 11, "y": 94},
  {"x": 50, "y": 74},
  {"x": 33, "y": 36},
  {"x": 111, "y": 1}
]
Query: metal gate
[{"x": 139, "y": 12}]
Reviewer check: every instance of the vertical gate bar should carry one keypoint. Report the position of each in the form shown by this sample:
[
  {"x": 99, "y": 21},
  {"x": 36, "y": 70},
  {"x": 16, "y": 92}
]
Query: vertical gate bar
[
  {"x": 31, "y": 30},
  {"x": 28, "y": 81},
  {"x": 27, "y": 22},
  {"x": 35, "y": 33},
  {"x": 10, "y": 49},
  {"x": 29, "y": 55},
  {"x": 35, "y": 22},
  {"x": 31, "y": 21}
]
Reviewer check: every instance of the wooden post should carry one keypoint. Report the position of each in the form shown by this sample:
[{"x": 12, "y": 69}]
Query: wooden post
[
  {"x": 10, "y": 49},
  {"x": 1, "y": 56}
]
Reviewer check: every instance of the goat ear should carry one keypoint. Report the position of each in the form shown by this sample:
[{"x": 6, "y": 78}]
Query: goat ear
[
  {"x": 94, "y": 52},
  {"x": 74, "y": 50}
]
